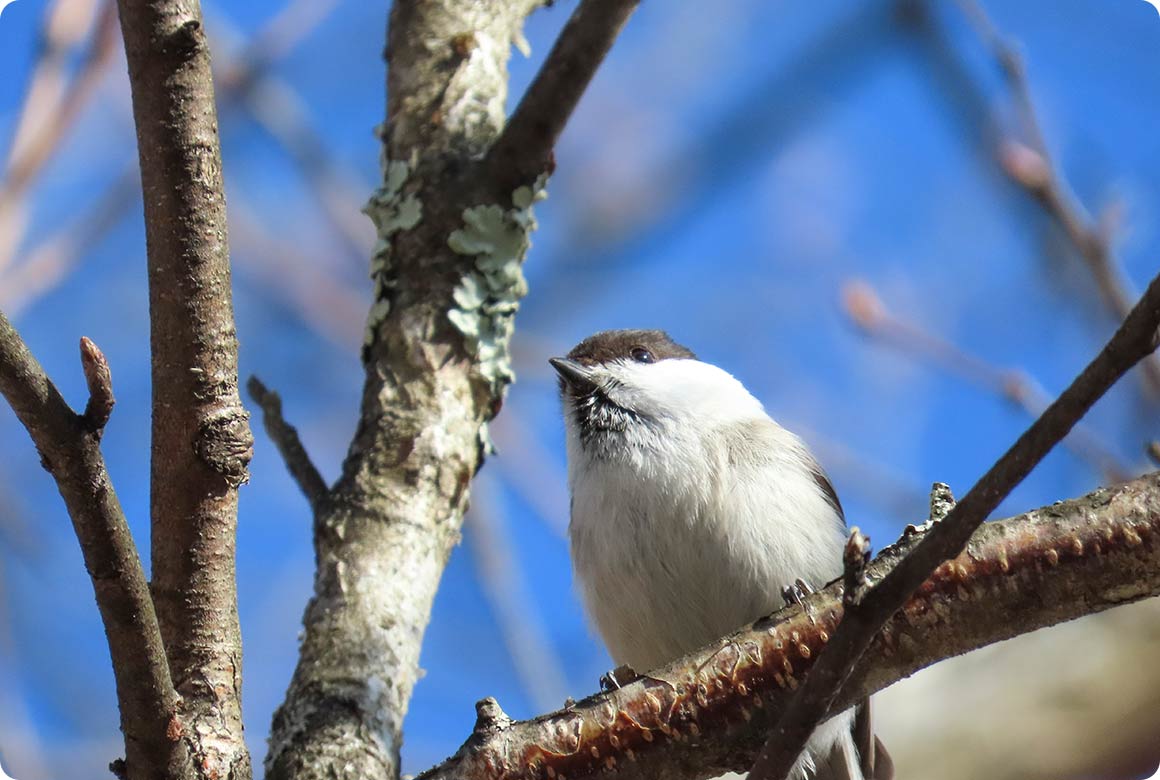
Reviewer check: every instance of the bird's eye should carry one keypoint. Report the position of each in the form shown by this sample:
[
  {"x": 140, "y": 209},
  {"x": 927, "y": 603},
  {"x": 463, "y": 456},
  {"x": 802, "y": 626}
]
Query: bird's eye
[{"x": 641, "y": 355}]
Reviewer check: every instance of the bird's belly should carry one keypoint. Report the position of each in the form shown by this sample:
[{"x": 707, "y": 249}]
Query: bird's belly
[{"x": 654, "y": 600}]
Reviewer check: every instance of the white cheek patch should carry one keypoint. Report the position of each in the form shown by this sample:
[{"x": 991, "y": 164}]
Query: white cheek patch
[{"x": 681, "y": 389}]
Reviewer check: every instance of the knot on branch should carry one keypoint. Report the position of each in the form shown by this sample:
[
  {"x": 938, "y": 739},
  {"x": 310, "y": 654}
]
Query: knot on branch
[
  {"x": 226, "y": 445},
  {"x": 185, "y": 41},
  {"x": 942, "y": 501},
  {"x": 489, "y": 717}
]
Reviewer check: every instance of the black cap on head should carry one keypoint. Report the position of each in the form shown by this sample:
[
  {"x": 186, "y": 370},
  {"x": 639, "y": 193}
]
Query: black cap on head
[{"x": 642, "y": 346}]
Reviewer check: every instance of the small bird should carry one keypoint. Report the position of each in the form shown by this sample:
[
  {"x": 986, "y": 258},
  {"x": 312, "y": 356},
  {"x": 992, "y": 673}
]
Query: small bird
[{"x": 691, "y": 509}]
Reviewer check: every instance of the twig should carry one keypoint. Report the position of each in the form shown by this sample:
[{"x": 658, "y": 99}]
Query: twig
[
  {"x": 315, "y": 290},
  {"x": 51, "y": 108},
  {"x": 525, "y": 148},
  {"x": 285, "y": 438},
  {"x": 50, "y": 261},
  {"x": 69, "y": 448},
  {"x": 855, "y": 558},
  {"x": 1032, "y": 167},
  {"x": 710, "y": 711},
  {"x": 1135, "y": 339},
  {"x": 866, "y": 309},
  {"x": 537, "y": 666},
  {"x": 201, "y": 439},
  {"x": 249, "y": 81}
]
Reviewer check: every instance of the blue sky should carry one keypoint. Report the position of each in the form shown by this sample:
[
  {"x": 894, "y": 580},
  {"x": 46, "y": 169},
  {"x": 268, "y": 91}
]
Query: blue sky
[{"x": 726, "y": 178}]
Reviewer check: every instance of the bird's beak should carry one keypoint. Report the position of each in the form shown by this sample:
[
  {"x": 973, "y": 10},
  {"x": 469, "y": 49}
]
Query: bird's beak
[{"x": 576, "y": 376}]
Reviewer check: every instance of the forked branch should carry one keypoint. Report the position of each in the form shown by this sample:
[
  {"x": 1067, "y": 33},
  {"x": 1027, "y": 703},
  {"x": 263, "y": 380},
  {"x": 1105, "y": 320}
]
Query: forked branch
[{"x": 69, "y": 447}]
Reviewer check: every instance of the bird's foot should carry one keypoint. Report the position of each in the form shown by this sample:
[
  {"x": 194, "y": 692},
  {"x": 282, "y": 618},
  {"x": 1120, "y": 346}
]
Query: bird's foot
[
  {"x": 618, "y": 678},
  {"x": 796, "y": 593}
]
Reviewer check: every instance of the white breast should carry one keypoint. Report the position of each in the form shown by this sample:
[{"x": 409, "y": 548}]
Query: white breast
[{"x": 686, "y": 538}]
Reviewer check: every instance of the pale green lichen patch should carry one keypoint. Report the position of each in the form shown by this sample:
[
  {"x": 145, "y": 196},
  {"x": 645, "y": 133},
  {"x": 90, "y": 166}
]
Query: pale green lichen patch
[
  {"x": 392, "y": 211},
  {"x": 488, "y": 295}
]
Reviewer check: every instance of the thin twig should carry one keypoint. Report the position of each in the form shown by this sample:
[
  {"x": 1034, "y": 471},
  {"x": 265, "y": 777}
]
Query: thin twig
[
  {"x": 1135, "y": 339},
  {"x": 43, "y": 266},
  {"x": 70, "y": 450},
  {"x": 249, "y": 81},
  {"x": 525, "y": 148},
  {"x": 311, "y": 285},
  {"x": 1033, "y": 168},
  {"x": 285, "y": 438},
  {"x": 50, "y": 261},
  {"x": 866, "y": 309},
  {"x": 536, "y": 663},
  {"x": 855, "y": 558},
  {"x": 52, "y": 108}
]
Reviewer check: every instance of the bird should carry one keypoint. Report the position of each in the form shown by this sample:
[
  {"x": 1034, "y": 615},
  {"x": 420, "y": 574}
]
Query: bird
[{"x": 691, "y": 508}]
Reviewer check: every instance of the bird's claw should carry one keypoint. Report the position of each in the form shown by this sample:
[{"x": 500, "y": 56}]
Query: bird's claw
[
  {"x": 796, "y": 593},
  {"x": 617, "y": 678}
]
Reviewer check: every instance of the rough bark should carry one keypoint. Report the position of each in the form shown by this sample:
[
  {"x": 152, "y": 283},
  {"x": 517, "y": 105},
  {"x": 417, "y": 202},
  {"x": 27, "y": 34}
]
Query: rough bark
[
  {"x": 447, "y": 271},
  {"x": 69, "y": 447},
  {"x": 711, "y": 711},
  {"x": 384, "y": 535},
  {"x": 201, "y": 437}
]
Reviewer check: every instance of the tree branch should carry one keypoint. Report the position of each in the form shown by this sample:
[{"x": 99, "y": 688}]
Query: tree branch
[
  {"x": 201, "y": 436},
  {"x": 285, "y": 438},
  {"x": 711, "y": 711},
  {"x": 1133, "y": 341},
  {"x": 524, "y": 149},
  {"x": 447, "y": 271},
  {"x": 69, "y": 447}
]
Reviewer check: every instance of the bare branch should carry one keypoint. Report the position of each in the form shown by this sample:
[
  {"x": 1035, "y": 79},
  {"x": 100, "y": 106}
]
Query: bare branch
[
  {"x": 710, "y": 711},
  {"x": 527, "y": 642},
  {"x": 201, "y": 436},
  {"x": 1032, "y": 167},
  {"x": 867, "y": 310},
  {"x": 1134, "y": 340},
  {"x": 525, "y": 148},
  {"x": 50, "y": 261},
  {"x": 285, "y": 438},
  {"x": 69, "y": 447},
  {"x": 51, "y": 107}
]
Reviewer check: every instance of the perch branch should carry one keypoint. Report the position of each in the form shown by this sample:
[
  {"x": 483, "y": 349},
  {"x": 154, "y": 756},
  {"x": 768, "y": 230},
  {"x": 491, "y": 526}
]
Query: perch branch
[
  {"x": 69, "y": 447},
  {"x": 1134, "y": 340},
  {"x": 710, "y": 712},
  {"x": 285, "y": 438}
]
